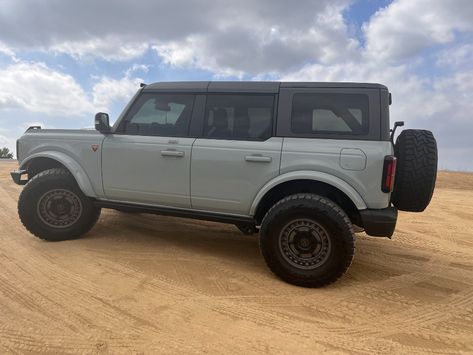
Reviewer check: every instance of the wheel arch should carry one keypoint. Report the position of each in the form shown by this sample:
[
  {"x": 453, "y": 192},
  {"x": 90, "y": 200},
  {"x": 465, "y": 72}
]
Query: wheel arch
[
  {"x": 308, "y": 182},
  {"x": 39, "y": 162}
]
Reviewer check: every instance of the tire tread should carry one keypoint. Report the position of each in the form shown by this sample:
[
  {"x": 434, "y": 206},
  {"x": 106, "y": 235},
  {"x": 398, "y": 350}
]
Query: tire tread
[
  {"x": 24, "y": 206},
  {"x": 327, "y": 209},
  {"x": 416, "y": 173}
]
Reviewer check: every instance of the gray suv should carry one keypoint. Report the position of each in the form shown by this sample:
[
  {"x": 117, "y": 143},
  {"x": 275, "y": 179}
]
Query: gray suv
[{"x": 303, "y": 164}]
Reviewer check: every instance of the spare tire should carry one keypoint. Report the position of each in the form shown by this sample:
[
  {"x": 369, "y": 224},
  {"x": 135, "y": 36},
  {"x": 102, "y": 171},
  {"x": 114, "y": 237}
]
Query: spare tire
[{"x": 416, "y": 152}]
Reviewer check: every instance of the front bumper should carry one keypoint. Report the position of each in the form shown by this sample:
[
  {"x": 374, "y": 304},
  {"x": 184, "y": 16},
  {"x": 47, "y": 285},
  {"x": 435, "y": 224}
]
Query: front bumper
[
  {"x": 379, "y": 223},
  {"x": 17, "y": 175}
]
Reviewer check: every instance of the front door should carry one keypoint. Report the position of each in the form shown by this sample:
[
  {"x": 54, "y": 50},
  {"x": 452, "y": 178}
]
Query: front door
[{"x": 147, "y": 160}]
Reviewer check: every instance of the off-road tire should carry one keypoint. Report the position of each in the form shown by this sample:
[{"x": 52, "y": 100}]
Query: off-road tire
[
  {"x": 318, "y": 211},
  {"x": 43, "y": 184},
  {"x": 416, "y": 152}
]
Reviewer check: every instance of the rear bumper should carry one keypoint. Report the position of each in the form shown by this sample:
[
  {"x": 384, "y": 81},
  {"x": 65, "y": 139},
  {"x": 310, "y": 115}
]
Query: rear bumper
[
  {"x": 16, "y": 176},
  {"x": 379, "y": 223}
]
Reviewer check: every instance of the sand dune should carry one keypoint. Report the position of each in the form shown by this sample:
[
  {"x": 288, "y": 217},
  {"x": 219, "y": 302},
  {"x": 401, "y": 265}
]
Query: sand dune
[{"x": 142, "y": 283}]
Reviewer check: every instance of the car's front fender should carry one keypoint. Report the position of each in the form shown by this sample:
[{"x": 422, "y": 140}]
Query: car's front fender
[{"x": 72, "y": 165}]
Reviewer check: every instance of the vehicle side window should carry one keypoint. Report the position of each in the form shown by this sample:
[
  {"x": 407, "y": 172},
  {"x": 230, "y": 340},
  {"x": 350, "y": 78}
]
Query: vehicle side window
[
  {"x": 165, "y": 115},
  {"x": 330, "y": 113},
  {"x": 239, "y": 116}
]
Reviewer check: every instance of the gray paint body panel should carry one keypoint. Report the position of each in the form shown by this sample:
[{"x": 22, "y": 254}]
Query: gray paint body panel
[
  {"x": 226, "y": 175},
  {"x": 323, "y": 155},
  {"x": 73, "y": 149},
  {"x": 352, "y": 159},
  {"x": 145, "y": 169}
]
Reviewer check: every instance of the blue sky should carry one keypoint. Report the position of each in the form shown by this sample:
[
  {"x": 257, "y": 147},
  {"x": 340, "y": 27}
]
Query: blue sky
[{"x": 62, "y": 61}]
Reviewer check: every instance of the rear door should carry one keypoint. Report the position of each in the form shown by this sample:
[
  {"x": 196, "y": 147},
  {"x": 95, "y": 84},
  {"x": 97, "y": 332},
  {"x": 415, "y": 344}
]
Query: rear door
[
  {"x": 236, "y": 153},
  {"x": 147, "y": 160}
]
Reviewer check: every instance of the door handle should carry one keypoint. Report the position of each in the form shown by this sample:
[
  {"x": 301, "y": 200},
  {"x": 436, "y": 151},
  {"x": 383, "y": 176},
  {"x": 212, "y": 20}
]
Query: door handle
[
  {"x": 258, "y": 159},
  {"x": 172, "y": 153}
]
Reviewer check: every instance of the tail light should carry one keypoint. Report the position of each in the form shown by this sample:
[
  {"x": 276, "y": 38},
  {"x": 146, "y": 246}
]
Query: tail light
[{"x": 389, "y": 171}]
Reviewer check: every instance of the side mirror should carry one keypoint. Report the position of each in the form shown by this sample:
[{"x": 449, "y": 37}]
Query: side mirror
[{"x": 102, "y": 122}]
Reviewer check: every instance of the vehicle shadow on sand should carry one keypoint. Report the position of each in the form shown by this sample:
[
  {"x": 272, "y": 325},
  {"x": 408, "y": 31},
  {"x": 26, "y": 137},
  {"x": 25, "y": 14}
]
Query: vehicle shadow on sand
[
  {"x": 147, "y": 232},
  {"x": 376, "y": 259}
]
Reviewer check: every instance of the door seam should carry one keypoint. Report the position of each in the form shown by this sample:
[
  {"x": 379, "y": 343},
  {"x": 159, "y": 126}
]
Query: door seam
[{"x": 190, "y": 173}]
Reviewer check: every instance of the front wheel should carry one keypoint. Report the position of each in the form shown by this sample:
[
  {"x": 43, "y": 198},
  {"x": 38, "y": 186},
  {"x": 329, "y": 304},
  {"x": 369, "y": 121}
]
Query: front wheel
[
  {"x": 307, "y": 240},
  {"x": 52, "y": 207}
]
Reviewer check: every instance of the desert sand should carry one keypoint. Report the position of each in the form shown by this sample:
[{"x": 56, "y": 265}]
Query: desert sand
[{"x": 149, "y": 284}]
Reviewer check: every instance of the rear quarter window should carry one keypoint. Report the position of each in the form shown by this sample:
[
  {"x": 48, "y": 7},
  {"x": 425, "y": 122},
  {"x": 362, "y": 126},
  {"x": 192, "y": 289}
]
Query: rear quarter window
[{"x": 331, "y": 113}]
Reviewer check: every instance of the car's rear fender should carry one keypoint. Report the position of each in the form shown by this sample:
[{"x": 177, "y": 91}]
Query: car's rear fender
[{"x": 334, "y": 181}]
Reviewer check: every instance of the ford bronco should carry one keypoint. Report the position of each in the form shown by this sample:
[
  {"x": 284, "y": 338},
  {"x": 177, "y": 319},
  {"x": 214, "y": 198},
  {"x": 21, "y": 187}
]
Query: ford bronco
[{"x": 303, "y": 164}]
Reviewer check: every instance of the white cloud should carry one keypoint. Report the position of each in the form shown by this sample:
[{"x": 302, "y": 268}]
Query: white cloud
[
  {"x": 38, "y": 88},
  {"x": 192, "y": 52},
  {"x": 456, "y": 57},
  {"x": 247, "y": 43},
  {"x": 179, "y": 54},
  {"x": 108, "y": 91},
  {"x": 4, "y": 49},
  {"x": 246, "y": 37},
  {"x": 405, "y": 27},
  {"x": 110, "y": 49},
  {"x": 137, "y": 68}
]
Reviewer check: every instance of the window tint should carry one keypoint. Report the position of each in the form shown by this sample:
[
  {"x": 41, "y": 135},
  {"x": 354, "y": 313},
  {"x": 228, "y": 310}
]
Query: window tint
[
  {"x": 241, "y": 117},
  {"x": 329, "y": 113},
  {"x": 160, "y": 115}
]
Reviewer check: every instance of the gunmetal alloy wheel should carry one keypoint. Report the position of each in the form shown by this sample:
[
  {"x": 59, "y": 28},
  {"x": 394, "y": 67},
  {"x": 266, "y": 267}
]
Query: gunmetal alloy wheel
[
  {"x": 304, "y": 243},
  {"x": 59, "y": 208},
  {"x": 307, "y": 240},
  {"x": 52, "y": 206}
]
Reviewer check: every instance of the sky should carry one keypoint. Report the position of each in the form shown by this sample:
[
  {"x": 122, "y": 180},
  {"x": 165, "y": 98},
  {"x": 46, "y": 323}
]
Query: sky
[{"x": 61, "y": 61}]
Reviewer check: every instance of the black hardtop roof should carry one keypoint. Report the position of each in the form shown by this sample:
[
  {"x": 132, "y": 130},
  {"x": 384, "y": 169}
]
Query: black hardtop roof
[{"x": 250, "y": 86}]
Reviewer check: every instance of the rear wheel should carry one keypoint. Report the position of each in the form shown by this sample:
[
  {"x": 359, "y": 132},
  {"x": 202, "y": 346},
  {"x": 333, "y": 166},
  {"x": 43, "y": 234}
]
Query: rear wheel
[
  {"x": 52, "y": 207},
  {"x": 307, "y": 240}
]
